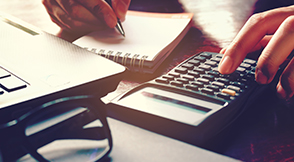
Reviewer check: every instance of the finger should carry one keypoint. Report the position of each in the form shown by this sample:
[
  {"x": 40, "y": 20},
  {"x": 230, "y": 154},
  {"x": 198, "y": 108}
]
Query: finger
[
  {"x": 62, "y": 19},
  {"x": 222, "y": 51},
  {"x": 56, "y": 21},
  {"x": 259, "y": 46},
  {"x": 120, "y": 7},
  {"x": 80, "y": 13},
  {"x": 281, "y": 91},
  {"x": 72, "y": 26},
  {"x": 262, "y": 43},
  {"x": 47, "y": 5},
  {"x": 285, "y": 87},
  {"x": 56, "y": 13},
  {"x": 253, "y": 31},
  {"x": 101, "y": 10},
  {"x": 276, "y": 52}
]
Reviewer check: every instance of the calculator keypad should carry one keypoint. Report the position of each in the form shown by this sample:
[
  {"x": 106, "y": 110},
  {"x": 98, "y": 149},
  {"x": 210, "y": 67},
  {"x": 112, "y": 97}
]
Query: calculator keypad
[{"x": 200, "y": 74}]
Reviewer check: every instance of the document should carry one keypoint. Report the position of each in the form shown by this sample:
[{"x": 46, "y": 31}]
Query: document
[{"x": 149, "y": 39}]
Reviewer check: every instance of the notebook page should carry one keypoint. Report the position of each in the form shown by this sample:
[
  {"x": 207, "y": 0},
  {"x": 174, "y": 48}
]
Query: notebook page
[{"x": 147, "y": 34}]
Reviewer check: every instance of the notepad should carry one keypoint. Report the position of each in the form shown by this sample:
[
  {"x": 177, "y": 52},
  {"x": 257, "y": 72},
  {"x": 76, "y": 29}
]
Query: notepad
[{"x": 150, "y": 38}]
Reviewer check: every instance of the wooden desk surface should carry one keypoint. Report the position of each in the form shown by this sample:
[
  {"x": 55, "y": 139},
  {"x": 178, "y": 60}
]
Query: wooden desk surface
[{"x": 264, "y": 134}]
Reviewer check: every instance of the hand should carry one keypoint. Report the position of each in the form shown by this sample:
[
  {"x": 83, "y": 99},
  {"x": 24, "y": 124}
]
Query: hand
[
  {"x": 83, "y": 16},
  {"x": 273, "y": 30}
]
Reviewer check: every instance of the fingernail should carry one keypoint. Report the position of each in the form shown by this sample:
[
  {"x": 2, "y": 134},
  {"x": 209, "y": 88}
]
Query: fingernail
[
  {"x": 281, "y": 92},
  {"x": 260, "y": 77},
  {"x": 225, "y": 65}
]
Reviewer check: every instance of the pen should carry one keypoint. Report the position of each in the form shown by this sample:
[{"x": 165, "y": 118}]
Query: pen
[{"x": 118, "y": 24}]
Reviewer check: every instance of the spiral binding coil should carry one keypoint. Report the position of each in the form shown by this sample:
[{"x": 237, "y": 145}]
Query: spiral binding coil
[{"x": 124, "y": 58}]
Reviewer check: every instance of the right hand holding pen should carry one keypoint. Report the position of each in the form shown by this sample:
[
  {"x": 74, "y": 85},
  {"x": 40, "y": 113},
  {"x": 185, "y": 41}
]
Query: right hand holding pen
[{"x": 84, "y": 16}]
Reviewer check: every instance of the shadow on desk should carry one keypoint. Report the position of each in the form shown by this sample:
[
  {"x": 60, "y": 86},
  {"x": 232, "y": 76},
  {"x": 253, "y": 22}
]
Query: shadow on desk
[{"x": 265, "y": 133}]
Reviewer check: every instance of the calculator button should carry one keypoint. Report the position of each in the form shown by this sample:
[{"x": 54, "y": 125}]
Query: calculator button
[
  {"x": 189, "y": 77},
  {"x": 224, "y": 96},
  {"x": 199, "y": 84},
  {"x": 211, "y": 63},
  {"x": 219, "y": 84},
  {"x": 246, "y": 66},
  {"x": 162, "y": 80},
  {"x": 251, "y": 74},
  {"x": 174, "y": 74},
  {"x": 194, "y": 73},
  {"x": 206, "y": 55},
  {"x": 215, "y": 69},
  {"x": 177, "y": 83},
  {"x": 243, "y": 80},
  {"x": 200, "y": 58},
  {"x": 209, "y": 77},
  {"x": 248, "y": 61},
  {"x": 224, "y": 75},
  {"x": 238, "y": 84},
  {"x": 181, "y": 70},
  {"x": 188, "y": 66},
  {"x": 219, "y": 55},
  {"x": 241, "y": 70},
  {"x": 194, "y": 62},
  {"x": 203, "y": 80},
  {"x": 234, "y": 88},
  {"x": 183, "y": 80},
  {"x": 229, "y": 92},
  {"x": 213, "y": 87},
  {"x": 213, "y": 73},
  {"x": 168, "y": 77},
  {"x": 192, "y": 87},
  {"x": 216, "y": 59},
  {"x": 207, "y": 91},
  {"x": 198, "y": 70},
  {"x": 222, "y": 80},
  {"x": 205, "y": 67}
]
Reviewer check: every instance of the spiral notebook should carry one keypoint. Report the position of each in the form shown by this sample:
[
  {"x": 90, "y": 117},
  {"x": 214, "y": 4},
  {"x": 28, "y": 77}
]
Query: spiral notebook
[{"x": 150, "y": 38}]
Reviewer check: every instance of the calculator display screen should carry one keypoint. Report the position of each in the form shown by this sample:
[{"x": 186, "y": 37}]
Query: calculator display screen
[
  {"x": 175, "y": 102},
  {"x": 169, "y": 105}
]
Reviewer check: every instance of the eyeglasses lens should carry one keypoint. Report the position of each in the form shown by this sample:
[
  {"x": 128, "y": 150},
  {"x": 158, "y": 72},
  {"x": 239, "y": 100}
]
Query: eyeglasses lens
[{"x": 66, "y": 134}]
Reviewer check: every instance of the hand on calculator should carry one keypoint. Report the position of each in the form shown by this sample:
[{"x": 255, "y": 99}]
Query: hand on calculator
[{"x": 272, "y": 30}]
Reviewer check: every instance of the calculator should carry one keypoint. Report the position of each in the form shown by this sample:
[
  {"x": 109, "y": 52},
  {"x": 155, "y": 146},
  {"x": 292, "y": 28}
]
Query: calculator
[{"x": 193, "y": 102}]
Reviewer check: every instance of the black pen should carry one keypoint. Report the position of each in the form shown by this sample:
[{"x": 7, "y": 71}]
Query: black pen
[{"x": 118, "y": 24}]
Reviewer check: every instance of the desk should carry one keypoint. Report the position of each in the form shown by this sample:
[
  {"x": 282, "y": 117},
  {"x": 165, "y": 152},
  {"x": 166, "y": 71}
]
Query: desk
[{"x": 262, "y": 135}]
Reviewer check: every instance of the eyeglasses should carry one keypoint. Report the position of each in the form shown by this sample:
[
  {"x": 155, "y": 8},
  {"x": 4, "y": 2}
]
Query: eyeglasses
[{"x": 66, "y": 129}]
